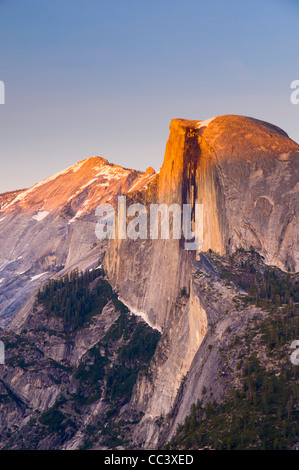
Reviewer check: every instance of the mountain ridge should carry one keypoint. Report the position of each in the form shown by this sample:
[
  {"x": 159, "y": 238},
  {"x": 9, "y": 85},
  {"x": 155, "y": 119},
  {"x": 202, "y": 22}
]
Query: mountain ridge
[
  {"x": 40, "y": 229},
  {"x": 245, "y": 173}
]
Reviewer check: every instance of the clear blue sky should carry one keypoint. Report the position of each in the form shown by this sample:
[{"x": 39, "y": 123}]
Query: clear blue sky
[{"x": 92, "y": 77}]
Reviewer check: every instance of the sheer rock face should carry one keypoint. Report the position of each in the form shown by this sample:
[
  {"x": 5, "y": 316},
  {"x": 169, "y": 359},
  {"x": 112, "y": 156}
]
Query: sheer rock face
[{"x": 245, "y": 172}]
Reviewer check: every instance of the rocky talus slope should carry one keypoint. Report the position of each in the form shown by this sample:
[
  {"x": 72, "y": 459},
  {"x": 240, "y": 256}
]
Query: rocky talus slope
[
  {"x": 245, "y": 172},
  {"x": 65, "y": 377},
  {"x": 99, "y": 381}
]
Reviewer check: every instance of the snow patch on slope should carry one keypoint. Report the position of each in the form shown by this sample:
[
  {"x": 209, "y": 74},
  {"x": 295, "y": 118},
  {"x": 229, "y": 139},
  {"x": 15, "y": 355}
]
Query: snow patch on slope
[
  {"x": 40, "y": 215},
  {"x": 112, "y": 173},
  {"x": 93, "y": 180},
  {"x": 24, "y": 194},
  {"x": 80, "y": 212},
  {"x": 204, "y": 123},
  {"x": 77, "y": 166},
  {"x": 37, "y": 276}
]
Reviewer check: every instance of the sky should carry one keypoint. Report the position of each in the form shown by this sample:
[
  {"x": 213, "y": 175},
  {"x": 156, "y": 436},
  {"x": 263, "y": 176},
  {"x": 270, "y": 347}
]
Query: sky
[{"x": 93, "y": 77}]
